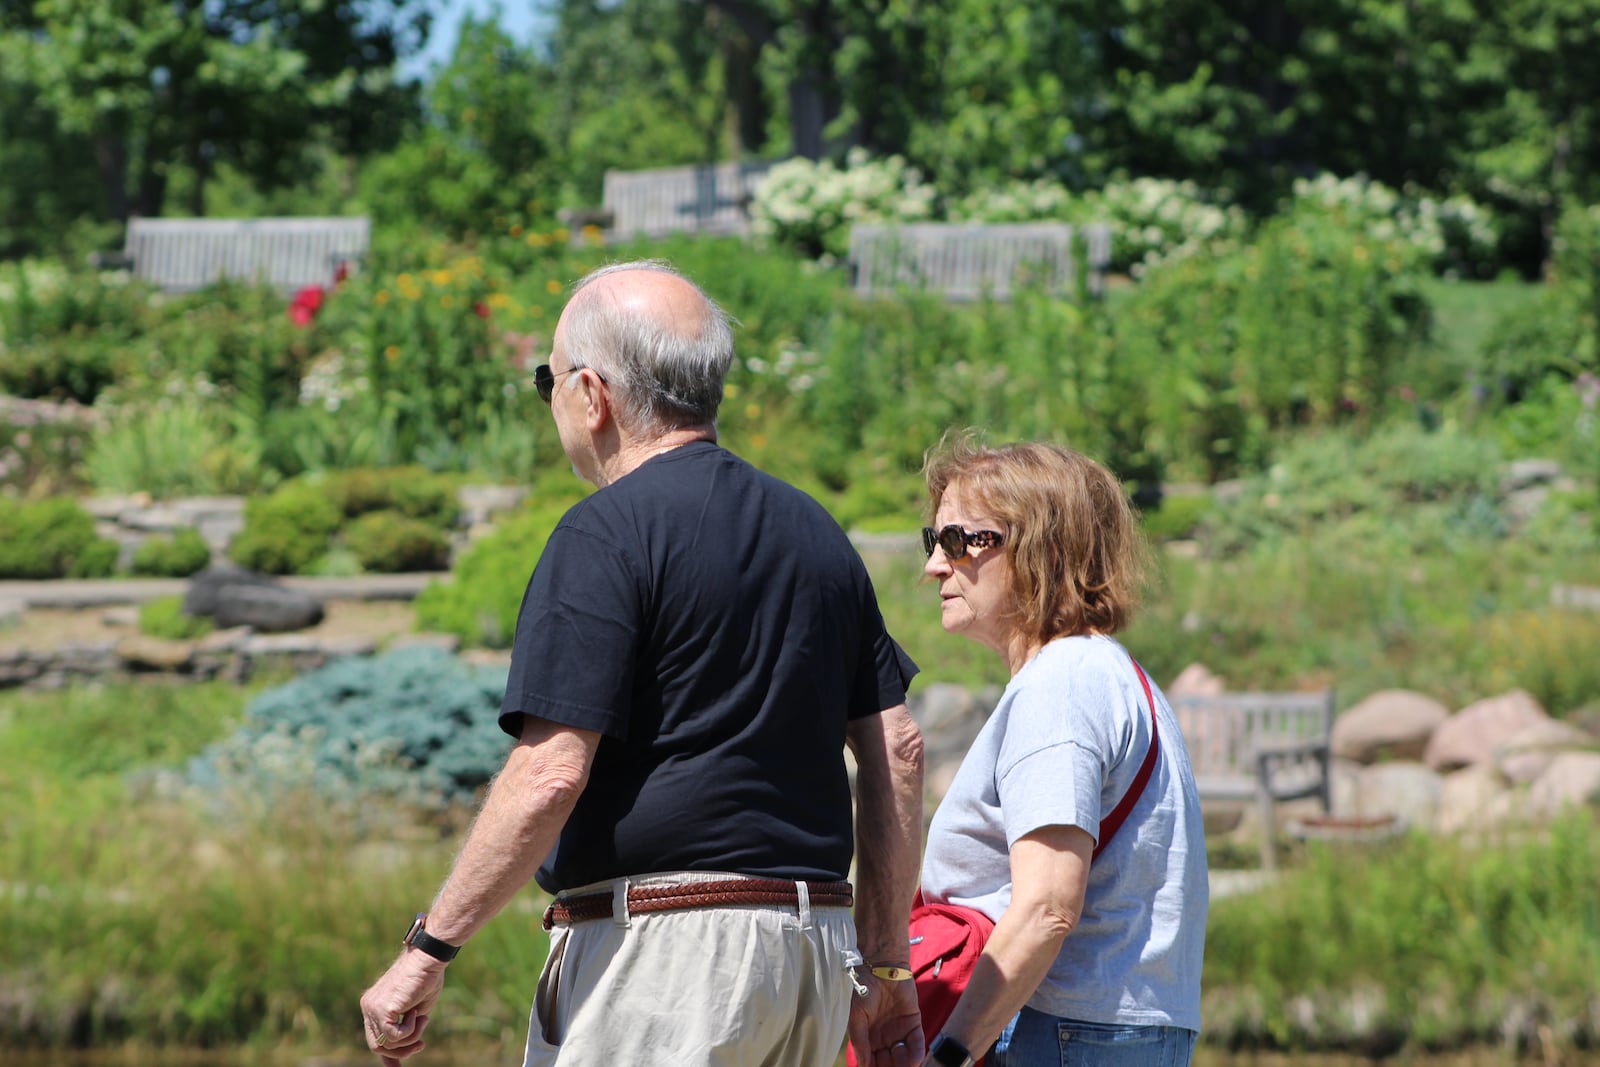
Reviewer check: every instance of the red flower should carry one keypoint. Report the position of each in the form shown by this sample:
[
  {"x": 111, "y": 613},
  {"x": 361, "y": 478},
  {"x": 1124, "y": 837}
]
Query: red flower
[
  {"x": 305, "y": 305},
  {"x": 480, "y": 309}
]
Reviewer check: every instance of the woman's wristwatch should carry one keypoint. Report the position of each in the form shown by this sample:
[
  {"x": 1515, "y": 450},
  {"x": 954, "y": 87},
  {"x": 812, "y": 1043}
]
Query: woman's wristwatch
[{"x": 946, "y": 1051}]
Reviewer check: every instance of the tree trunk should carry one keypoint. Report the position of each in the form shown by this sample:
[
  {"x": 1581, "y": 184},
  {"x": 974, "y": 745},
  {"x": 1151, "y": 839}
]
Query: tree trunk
[{"x": 111, "y": 153}]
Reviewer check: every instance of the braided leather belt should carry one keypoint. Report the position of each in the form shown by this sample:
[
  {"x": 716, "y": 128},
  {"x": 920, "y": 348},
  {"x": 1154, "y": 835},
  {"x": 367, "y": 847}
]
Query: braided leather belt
[{"x": 729, "y": 892}]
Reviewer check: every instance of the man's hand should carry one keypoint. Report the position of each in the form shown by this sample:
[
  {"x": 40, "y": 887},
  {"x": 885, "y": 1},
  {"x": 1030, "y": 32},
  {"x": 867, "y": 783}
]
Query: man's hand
[
  {"x": 886, "y": 1025},
  {"x": 395, "y": 1010}
]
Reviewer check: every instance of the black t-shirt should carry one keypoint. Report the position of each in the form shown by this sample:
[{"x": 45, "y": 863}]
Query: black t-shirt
[{"x": 719, "y": 629}]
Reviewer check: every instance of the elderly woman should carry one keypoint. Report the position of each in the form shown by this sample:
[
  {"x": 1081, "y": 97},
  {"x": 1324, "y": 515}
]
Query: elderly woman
[{"x": 1037, "y": 555}]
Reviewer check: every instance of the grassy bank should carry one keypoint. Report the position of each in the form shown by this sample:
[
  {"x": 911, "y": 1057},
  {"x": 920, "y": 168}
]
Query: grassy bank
[{"x": 140, "y": 912}]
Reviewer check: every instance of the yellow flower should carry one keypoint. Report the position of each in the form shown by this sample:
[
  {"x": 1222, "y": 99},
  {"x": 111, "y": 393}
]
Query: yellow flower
[
  {"x": 552, "y": 287},
  {"x": 537, "y": 240},
  {"x": 392, "y": 353},
  {"x": 730, "y": 391},
  {"x": 752, "y": 411},
  {"x": 561, "y": 233},
  {"x": 499, "y": 301},
  {"x": 759, "y": 440},
  {"x": 440, "y": 277},
  {"x": 516, "y": 231},
  {"x": 404, "y": 281},
  {"x": 381, "y": 298},
  {"x": 535, "y": 310},
  {"x": 447, "y": 301}
]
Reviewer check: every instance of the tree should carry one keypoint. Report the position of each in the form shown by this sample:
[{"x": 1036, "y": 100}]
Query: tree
[{"x": 154, "y": 84}]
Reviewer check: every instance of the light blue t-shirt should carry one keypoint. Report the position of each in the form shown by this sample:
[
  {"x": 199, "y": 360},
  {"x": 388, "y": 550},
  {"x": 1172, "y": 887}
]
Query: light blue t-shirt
[{"x": 1062, "y": 748}]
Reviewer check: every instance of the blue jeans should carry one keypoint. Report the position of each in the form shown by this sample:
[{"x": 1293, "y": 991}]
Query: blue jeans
[{"x": 1034, "y": 1039}]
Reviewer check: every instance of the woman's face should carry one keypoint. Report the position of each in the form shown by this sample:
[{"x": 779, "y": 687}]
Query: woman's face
[{"x": 975, "y": 594}]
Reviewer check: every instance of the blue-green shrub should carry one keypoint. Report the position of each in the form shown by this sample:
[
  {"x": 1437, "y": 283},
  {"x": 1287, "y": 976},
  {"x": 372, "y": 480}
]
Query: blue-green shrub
[{"x": 414, "y": 723}]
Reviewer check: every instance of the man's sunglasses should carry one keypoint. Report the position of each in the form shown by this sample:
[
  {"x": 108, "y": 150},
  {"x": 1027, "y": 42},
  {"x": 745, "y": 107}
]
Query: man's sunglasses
[
  {"x": 955, "y": 541},
  {"x": 544, "y": 380}
]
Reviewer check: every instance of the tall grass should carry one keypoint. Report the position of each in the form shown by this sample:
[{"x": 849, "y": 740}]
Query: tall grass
[{"x": 1429, "y": 943}]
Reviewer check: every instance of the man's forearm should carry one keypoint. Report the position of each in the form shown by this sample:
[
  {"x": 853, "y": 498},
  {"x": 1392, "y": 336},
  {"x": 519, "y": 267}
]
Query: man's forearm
[
  {"x": 888, "y": 752},
  {"x": 528, "y": 803}
]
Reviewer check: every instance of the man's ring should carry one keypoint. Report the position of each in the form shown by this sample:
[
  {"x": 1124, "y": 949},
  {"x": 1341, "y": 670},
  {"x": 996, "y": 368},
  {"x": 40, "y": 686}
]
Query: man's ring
[{"x": 381, "y": 1039}]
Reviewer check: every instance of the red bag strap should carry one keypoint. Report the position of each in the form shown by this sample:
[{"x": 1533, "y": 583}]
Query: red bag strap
[{"x": 1113, "y": 822}]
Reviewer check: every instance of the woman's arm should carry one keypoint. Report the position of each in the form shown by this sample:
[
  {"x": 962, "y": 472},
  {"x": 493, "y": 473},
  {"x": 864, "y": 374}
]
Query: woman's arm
[{"x": 1049, "y": 872}]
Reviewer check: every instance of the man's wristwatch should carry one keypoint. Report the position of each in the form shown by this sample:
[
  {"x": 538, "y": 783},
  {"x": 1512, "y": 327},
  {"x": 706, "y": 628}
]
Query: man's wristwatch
[
  {"x": 422, "y": 941},
  {"x": 946, "y": 1051}
]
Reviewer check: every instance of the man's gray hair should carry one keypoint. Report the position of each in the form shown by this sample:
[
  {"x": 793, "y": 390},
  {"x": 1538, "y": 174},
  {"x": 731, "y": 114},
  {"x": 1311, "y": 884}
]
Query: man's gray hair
[{"x": 663, "y": 375}]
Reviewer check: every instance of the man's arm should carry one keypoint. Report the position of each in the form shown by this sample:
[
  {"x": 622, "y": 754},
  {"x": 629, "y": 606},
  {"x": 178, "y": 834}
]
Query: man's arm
[
  {"x": 888, "y": 754},
  {"x": 528, "y": 803}
]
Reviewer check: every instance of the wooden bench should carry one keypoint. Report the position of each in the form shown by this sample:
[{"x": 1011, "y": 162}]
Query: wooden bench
[
  {"x": 181, "y": 255},
  {"x": 1266, "y": 747},
  {"x": 712, "y": 198},
  {"x": 968, "y": 261}
]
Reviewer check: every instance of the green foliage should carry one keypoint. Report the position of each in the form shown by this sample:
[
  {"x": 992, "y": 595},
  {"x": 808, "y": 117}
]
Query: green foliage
[
  {"x": 481, "y": 601},
  {"x": 164, "y": 617},
  {"x": 177, "y": 556},
  {"x": 63, "y": 334},
  {"x": 286, "y": 531},
  {"x": 165, "y": 448},
  {"x": 1176, "y": 517},
  {"x": 411, "y": 491},
  {"x": 1433, "y": 945},
  {"x": 1308, "y": 326},
  {"x": 51, "y": 538},
  {"x": 388, "y": 542}
]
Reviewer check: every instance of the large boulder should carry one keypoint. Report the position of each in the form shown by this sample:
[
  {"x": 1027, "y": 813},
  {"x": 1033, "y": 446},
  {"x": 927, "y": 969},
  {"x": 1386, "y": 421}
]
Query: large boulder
[
  {"x": 1526, "y": 754},
  {"x": 1470, "y": 800},
  {"x": 1195, "y": 680},
  {"x": 232, "y": 595},
  {"x": 1571, "y": 780},
  {"x": 1471, "y": 734},
  {"x": 1407, "y": 790},
  {"x": 1389, "y": 724}
]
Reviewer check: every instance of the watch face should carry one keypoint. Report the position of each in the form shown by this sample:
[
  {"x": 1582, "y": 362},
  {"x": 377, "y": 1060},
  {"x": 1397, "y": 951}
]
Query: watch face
[
  {"x": 948, "y": 1052},
  {"x": 416, "y": 928}
]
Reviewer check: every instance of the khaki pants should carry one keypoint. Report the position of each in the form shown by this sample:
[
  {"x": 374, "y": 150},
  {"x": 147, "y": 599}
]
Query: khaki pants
[{"x": 745, "y": 986}]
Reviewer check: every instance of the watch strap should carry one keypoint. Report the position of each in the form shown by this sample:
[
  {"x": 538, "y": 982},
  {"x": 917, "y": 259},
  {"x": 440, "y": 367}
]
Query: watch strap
[{"x": 419, "y": 938}]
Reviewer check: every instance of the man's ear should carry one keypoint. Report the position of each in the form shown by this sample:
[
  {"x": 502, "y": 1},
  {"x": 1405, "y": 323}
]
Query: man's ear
[{"x": 596, "y": 400}]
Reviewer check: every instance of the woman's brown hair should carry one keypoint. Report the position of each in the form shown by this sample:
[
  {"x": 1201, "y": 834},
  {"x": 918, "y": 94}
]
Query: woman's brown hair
[{"x": 1077, "y": 555}]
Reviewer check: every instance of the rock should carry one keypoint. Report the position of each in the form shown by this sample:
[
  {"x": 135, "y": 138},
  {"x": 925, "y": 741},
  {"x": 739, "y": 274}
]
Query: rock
[
  {"x": 1468, "y": 799},
  {"x": 488, "y": 658},
  {"x": 1196, "y": 680},
  {"x": 120, "y": 616},
  {"x": 11, "y": 611},
  {"x": 1571, "y": 780},
  {"x": 1389, "y": 724},
  {"x": 1527, "y": 473},
  {"x": 481, "y": 503},
  {"x": 449, "y": 643},
  {"x": 234, "y": 596},
  {"x": 224, "y": 640},
  {"x": 1471, "y": 734},
  {"x": 153, "y": 519},
  {"x": 1408, "y": 790},
  {"x": 1526, "y": 754},
  {"x": 950, "y": 718},
  {"x": 141, "y": 651}
]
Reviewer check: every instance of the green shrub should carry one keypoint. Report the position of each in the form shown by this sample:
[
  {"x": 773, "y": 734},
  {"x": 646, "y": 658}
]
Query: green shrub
[
  {"x": 411, "y": 491},
  {"x": 1176, "y": 517},
  {"x": 286, "y": 532},
  {"x": 177, "y": 556},
  {"x": 165, "y": 617},
  {"x": 480, "y": 604},
  {"x": 66, "y": 334},
  {"x": 52, "y": 538},
  {"x": 388, "y": 542},
  {"x": 162, "y": 449}
]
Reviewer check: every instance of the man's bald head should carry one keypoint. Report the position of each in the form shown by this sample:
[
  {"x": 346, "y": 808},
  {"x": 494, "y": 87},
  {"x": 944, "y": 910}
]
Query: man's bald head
[{"x": 662, "y": 345}]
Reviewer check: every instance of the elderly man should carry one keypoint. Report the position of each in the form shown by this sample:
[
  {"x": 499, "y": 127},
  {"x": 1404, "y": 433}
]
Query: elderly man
[{"x": 697, "y": 646}]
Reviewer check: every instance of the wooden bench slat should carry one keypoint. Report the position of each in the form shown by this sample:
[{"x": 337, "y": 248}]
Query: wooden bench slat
[
  {"x": 185, "y": 254},
  {"x": 965, "y": 261}
]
